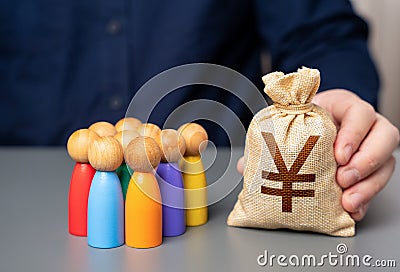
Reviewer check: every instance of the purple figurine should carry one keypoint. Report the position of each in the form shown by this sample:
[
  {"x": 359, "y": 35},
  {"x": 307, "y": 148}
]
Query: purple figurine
[{"x": 170, "y": 180}]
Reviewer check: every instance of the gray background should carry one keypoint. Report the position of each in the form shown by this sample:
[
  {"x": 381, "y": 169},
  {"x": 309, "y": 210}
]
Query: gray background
[{"x": 34, "y": 236}]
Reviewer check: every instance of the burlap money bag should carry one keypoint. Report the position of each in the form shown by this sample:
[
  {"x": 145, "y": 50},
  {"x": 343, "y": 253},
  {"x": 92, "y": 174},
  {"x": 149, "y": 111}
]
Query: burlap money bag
[{"x": 289, "y": 176}]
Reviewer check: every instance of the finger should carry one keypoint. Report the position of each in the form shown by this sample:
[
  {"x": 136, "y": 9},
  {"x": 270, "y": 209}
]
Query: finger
[
  {"x": 240, "y": 165},
  {"x": 357, "y": 216},
  {"x": 357, "y": 117},
  {"x": 362, "y": 192},
  {"x": 376, "y": 149}
]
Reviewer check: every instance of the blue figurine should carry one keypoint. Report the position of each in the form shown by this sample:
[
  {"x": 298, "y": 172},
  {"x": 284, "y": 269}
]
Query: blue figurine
[{"x": 105, "y": 203}]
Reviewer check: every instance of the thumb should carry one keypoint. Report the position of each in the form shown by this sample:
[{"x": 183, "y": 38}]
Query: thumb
[{"x": 240, "y": 165}]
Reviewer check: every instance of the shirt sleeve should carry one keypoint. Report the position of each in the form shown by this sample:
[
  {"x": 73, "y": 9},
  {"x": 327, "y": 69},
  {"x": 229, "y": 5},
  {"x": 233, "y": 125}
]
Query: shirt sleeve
[{"x": 322, "y": 34}]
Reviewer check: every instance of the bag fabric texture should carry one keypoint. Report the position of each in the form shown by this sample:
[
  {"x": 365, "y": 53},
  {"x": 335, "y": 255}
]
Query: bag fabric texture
[{"x": 290, "y": 168}]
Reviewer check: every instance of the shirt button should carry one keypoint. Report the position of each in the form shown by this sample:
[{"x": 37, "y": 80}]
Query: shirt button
[
  {"x": 113, "y": 27},
  {"x": 115, "y": 102}
]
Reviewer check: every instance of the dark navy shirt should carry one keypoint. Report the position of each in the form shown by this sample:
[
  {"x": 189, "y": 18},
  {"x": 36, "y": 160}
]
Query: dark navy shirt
[{"x": 65, "y": 64}]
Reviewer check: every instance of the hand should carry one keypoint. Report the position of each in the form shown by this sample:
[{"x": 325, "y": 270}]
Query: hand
[{"x": 363, "y": 148}]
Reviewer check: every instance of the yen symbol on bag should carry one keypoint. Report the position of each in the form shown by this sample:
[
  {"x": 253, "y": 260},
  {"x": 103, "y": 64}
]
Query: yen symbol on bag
[{"x": 287, "y": 177}]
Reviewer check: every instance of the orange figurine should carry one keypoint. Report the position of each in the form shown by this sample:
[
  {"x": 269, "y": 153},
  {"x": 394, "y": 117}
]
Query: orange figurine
[
  {"x": 128, "y": 123},
  {"x": 194, "y": 178},
  {"x": 82, "y": 175},
  {"x": 143, "y": 207},
  {"x": 103, "y": 129}
]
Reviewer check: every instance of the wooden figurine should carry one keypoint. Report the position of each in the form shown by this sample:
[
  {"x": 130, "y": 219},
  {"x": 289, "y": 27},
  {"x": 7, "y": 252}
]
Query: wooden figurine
[
  {"x": 103, "y": 128},
  {"x": 82, "y": 175},
  {"x": 170, "y": 180},
  {"x": 150, "y": 130},
  {"x": 143, "y": 208},
  {"x": 106, "y": 203},
  {"x": 124, "y": 172},
  {"x": 128, "y": 123},
  {"x": 194, "y": 178}
]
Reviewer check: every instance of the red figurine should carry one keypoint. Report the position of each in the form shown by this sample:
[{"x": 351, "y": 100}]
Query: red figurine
[{"x": 81, "y": 179}]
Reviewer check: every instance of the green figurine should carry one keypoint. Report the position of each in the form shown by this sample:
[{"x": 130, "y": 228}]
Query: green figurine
[{"x": 124, "y": 172}]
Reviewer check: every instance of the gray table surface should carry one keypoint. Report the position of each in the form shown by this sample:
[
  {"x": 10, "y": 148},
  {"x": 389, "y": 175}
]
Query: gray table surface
[{"x": 34, "y": 237}]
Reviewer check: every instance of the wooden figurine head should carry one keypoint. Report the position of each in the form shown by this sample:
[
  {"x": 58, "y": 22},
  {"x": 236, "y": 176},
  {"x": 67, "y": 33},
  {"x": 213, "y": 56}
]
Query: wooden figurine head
[
  {"x": 173, "y": 145},
  {"x": 150, "y": 130},
  {"x": 128, "y": 123},
  {"x": 78, "y": 144},
  {"x": 103, "y": 129},
  {"x": 195, "y": 137},
  {"x": 143, "y": 154},
  {"x": 105, "y": 154},
  {"x": 125, "y": 137}
]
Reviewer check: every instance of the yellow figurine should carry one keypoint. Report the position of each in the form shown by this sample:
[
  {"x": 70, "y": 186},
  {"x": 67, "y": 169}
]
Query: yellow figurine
[{"x": 194, "y": 178}]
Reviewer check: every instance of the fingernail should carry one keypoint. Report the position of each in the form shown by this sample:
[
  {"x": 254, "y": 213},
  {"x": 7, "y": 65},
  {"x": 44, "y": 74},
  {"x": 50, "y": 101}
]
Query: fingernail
[
  {"x": 348, "y": 151},
  {"x": 350, "y": 177},
  {"x": 356, "y": 201}
]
